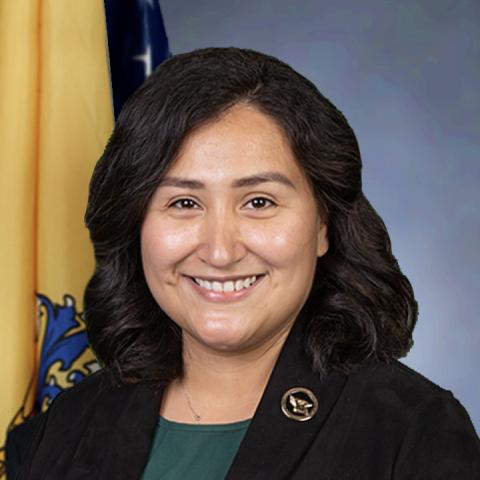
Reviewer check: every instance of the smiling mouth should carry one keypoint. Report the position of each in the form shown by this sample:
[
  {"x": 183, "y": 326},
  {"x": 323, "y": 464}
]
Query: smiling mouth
[{"x": 227, "y": 287}]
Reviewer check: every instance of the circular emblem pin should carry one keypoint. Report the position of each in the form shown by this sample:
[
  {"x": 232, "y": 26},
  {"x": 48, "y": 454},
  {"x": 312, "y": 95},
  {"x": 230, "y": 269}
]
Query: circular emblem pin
[{"x": 299, "y": 404}]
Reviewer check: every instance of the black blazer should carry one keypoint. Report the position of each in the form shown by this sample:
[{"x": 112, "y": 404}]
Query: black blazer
[{"x": 383, "y": 422}]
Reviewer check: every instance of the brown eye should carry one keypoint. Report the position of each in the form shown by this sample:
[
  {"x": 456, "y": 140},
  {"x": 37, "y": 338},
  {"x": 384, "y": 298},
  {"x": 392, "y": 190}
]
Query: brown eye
[
  {"x": 260, "y": 203},
  {"x": 184, "y": 204}
]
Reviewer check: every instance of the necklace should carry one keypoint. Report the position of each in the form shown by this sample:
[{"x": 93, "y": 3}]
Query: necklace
[{"x": 196, "y": 416}]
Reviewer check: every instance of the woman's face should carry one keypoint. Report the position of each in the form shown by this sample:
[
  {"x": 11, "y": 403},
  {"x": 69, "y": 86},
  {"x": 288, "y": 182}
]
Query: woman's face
[{"x": 233, "y": 208}]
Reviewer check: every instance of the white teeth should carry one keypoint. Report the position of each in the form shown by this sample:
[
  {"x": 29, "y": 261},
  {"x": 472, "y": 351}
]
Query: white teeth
[{"x": 228, "y": 286}]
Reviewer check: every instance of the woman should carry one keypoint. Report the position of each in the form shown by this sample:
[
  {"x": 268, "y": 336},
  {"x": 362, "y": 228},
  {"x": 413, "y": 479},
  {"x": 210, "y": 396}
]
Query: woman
[{"x": 246, "y": 305}]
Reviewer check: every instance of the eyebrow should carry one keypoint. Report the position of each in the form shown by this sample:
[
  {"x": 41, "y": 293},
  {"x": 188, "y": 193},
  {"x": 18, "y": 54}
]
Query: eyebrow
[{"x": 250, "y": 181}]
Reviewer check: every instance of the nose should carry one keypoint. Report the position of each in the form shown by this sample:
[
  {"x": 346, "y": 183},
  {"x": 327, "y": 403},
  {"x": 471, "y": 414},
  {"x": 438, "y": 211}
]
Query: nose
[{"x": 220, "y": 243}]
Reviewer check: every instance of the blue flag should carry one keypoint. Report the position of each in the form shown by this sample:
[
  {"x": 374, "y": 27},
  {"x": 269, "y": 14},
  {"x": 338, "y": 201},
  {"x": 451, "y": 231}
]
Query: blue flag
[{"x": 137, "y": 43}]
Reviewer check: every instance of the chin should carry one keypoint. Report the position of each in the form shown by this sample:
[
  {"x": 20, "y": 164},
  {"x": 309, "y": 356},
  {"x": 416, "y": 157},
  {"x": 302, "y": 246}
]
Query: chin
[{"x": 221, "y": 336}]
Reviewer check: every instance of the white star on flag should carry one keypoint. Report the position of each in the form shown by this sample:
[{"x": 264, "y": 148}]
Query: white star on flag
[{"x": 146, "y": 58}]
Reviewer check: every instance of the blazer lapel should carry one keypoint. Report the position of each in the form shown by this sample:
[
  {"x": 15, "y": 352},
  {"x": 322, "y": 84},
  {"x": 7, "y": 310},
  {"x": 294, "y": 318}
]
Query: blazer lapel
[
  {"x": 274, "y": 444},
  {"x": 125, "y": 449}
]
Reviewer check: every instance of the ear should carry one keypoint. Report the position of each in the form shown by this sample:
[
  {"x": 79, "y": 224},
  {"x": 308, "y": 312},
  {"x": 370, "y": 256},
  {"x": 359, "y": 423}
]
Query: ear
[{"x": 322, "y": 240}]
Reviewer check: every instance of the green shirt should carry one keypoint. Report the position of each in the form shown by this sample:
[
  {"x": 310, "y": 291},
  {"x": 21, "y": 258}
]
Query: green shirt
[{"x": 183, "y": 451}]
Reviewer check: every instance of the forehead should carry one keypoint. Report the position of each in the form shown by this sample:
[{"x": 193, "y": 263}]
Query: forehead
[{"x": 243, "y": 141}]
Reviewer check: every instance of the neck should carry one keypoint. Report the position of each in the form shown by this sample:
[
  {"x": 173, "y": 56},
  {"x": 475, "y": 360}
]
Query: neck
[
  {"x": 221, "y": 387},
  {"x": 217, "y": 374}
]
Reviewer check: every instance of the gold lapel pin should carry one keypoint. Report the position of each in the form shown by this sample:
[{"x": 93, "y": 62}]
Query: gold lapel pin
[{"x": 299, "y": 404}]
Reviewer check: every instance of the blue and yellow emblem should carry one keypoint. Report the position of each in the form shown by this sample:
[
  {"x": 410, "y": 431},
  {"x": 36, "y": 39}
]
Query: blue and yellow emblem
[{"x": 65, "y": 357}]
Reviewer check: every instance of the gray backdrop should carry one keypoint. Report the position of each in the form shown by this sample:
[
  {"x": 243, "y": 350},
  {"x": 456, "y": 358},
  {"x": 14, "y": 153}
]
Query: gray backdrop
[{"x": 406, "y": 75}]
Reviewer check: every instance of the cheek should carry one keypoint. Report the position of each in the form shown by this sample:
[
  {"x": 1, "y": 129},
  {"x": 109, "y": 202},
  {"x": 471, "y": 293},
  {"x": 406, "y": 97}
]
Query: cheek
[
  {"x": 164, "y": 245},
  {"x": 282, "y": 241}
]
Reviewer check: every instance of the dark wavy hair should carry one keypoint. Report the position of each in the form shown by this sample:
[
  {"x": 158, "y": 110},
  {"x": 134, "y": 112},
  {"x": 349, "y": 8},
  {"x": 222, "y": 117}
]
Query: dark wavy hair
[{"x": 362, "y": 306}]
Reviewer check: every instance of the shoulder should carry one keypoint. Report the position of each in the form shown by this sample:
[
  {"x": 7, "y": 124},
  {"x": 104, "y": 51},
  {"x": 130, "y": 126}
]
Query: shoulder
[
  {"x": 426, "y": 426},
  {"x": 96, "y": 402},
  {"x": 396, "y": 384},
  {"x": 82, "y": 396},
  {"x": 25, "y": 438},
  {"x": 400, "y": 393},
  {"x": 97, "y": 382}
]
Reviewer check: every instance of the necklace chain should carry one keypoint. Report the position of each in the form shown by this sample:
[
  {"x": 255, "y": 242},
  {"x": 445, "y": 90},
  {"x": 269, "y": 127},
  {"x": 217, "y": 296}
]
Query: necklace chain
[{"x": 196, "y": 416}]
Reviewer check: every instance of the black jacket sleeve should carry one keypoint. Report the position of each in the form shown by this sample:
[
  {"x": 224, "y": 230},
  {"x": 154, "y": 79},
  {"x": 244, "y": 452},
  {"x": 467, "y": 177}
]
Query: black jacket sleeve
[{"x": 440, "y": 443}]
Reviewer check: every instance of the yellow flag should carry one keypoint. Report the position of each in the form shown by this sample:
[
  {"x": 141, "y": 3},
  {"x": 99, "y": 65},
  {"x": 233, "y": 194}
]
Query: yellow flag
[{"x": 55, "y": 118}]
